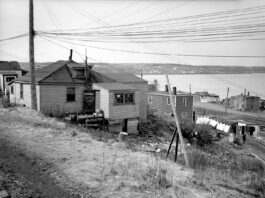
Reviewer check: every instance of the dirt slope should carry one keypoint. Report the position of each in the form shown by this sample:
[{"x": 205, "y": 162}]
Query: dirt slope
[{"x": 78, "y": 166}]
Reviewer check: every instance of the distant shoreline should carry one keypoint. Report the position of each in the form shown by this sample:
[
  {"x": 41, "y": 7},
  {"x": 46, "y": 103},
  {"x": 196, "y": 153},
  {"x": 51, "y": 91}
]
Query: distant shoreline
[
  {"x": 161, "y": 69},
  {"x": 202, "y": 74}
]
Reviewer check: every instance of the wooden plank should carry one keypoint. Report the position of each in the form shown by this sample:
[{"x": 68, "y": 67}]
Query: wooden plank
[{"x": 177, "y": 123}]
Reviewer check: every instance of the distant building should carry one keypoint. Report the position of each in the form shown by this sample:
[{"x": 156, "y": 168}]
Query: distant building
[
  {"x": 205, "y": 97},
  {"x": 9, "y": 70},
  {"x": 245, "y": 103},
  {"x": 160, "y": 101}
]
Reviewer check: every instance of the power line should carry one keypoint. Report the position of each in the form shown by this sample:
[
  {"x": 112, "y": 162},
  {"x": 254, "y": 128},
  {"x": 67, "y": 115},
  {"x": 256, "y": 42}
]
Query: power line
[
  {"x": 104, "y": 24},
  {"x": 201, "y": 18},
  {"x": 171, "y": 54},
  {"x": 14, "y": 37}
]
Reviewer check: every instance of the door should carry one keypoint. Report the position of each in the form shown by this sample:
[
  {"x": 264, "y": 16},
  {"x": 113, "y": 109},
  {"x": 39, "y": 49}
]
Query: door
[{"x": 89, "y": 101}]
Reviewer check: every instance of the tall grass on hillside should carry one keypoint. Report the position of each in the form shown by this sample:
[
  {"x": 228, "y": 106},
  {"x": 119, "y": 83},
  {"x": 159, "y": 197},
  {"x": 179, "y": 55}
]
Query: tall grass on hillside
[
  {"x": 148, "y": 175},
  {"x": 242, "y": 175}
]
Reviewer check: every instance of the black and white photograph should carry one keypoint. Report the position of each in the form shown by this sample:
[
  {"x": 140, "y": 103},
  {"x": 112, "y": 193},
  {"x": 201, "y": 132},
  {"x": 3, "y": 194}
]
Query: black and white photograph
[{"x": 132, "y": 99}]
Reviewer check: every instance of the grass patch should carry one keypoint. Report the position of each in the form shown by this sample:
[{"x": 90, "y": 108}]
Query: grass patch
[{"x": 241, "y": 175}]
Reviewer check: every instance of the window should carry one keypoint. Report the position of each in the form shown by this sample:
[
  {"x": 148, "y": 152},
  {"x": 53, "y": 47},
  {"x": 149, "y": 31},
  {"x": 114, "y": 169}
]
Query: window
[
  {"x": 9, "y": 79},
  {"x": 70, "y": 95},
  {"x": 150, "y": 99},
  {"x": 129, "y": 98},
  {"x": 118, "y": 98},
  {"x": 184, "y": 115},
  {"x": 184, "y": 102},
  {"x": 21, "y": 91},
  {"x": 168, "y": 101},
  {"x": 12, "y": 89},
  {"x": 123, "y": 98}
]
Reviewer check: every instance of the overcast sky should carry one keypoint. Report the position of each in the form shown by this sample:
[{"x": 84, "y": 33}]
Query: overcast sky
[{"x": 58, "y": 15}]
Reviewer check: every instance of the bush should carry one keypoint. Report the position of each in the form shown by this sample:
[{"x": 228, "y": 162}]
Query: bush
[
  {"x": 187, "y": 130},
  {"x": 204, "y": 135}
]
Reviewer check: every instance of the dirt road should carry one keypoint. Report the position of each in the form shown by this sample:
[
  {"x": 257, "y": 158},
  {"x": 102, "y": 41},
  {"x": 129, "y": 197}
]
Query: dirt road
[
  {"x": 23, "y": 176},
  {"x": 220, "y": 108}
]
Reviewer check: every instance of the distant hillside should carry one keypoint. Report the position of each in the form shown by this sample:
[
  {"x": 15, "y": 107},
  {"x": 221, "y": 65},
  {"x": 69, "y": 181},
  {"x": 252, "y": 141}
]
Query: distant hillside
[{"x": 157, "y": 68}]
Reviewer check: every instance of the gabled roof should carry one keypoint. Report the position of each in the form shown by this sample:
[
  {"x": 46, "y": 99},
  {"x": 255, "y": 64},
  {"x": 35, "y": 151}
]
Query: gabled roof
[
  {"x": 115, "y": 86},
  {"x": 124, "y": 77},
  {"x": 9, "y": 65},
  {"x": 51, "y": 74},
  {"x": 43, "y": 72}
]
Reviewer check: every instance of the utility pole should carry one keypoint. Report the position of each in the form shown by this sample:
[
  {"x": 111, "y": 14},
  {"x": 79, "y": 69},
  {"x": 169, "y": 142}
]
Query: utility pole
[
  {"x": 31, "y": 57},
  {"x": 86, "y": 73},
  {"x": 177, "y": 123},
  {"x": 190, "y": 88},
  {"x": 226, "y": 102},
  {"x": 245, "y": 102}
]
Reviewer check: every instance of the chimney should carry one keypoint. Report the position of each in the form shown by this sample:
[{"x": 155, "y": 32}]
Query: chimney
[
  {"x": 166, "y": 88},
  {"x": 248, "y": 93},
  {"x": 71, "y": 54},
  {"x": 174, "y": 91}
]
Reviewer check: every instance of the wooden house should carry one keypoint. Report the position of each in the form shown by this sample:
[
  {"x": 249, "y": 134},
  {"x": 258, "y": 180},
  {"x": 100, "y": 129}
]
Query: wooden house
[
  {"x": 245, "y": 103},
  {"x": 205, "y": 97},
  {"x": 160, "y": 101},
  {"x": 70, "y": 87},
  {"x": 9, "y": 70}
]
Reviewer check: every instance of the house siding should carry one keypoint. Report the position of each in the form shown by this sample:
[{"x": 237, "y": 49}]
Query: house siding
[
  {"x": 26, "y": 100},
  {"x": 124, "y": 111},
  {"x": 160, "y": 103},
  {"x": 102, "y": 99},
  {"x": 143, "y": 89},
  {"x": 181, "y": 108},
  {"x": 54, "y": 97},
  {"x": 116, "y": 112}
]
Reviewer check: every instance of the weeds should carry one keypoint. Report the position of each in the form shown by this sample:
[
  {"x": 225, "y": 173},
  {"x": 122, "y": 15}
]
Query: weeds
[
  {"x": 147, "y": 174},
  {"x": 244, "y": 175}
]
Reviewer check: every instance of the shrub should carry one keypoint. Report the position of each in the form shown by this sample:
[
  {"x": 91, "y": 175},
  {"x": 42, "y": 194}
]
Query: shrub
[
  {"x": 187, "y": 130},
  {"x": 204, "y": 135}
]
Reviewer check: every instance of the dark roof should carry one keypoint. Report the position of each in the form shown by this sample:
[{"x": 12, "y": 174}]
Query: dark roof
[
  {"x": 46, "y": 71},
  {"x": 115, "y": 86},
  {"x": 9, "y": 65},
  {"x": 205, "y": 94},
  {"x": 124, "y": 77},
  {"x": 246, "y": 96}
]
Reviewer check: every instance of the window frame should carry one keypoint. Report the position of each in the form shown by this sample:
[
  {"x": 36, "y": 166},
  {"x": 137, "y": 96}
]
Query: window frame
[
  {"x": 70, "y": 94},
  {"x": 123, "y": 98},
  {"x": 150, "y": 99},
  {"x": 21, "y": 91},
  {"x": 182, "y": 115},
  {"x": 168, "y": 101},
  {"x": 185, "y": 100},
  {"x": 12, "y": 89}
]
